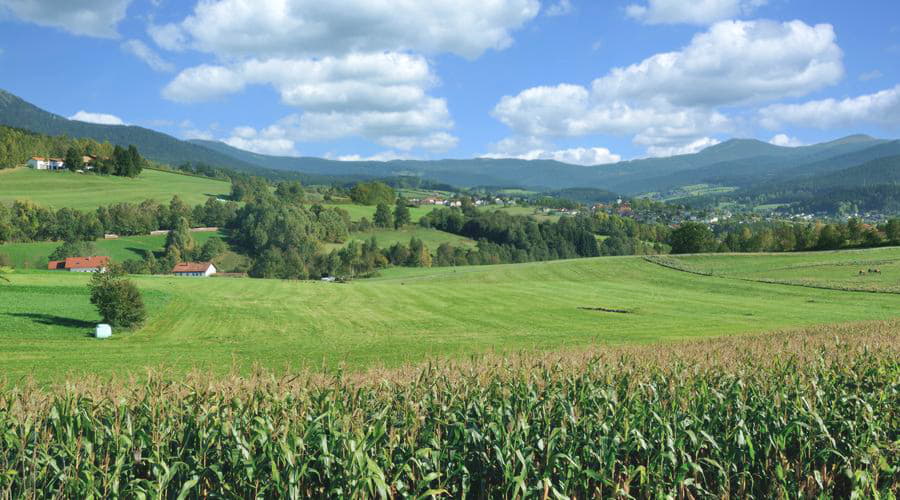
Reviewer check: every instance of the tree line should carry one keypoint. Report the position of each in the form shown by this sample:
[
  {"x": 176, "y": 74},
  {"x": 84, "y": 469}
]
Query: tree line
[{"x": 695, "y": 237}]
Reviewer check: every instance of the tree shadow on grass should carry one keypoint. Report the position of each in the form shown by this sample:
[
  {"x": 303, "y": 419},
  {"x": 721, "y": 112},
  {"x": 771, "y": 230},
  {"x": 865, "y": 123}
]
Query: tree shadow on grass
[{"x": 49, "y": 319}]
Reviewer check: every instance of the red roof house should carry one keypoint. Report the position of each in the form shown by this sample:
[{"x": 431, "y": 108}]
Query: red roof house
[
  {"x": 86, "y": 264},
  {"x": 199, "y": 269}
]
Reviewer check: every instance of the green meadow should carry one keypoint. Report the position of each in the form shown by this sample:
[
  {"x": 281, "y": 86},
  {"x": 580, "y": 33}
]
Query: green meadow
[
  {"x": 88, "y": 191},
  {"x": 35, "y": 255},
  {"x": 357, "y": 212},
  {"x": 387, "y": 237},
  {"x": 412, "y": 315}
]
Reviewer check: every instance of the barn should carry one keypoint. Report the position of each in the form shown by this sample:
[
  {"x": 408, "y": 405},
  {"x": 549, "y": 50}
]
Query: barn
[{"x": 80, "y": 264}]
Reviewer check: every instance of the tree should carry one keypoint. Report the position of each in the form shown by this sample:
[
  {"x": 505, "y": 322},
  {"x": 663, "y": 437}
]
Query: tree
[
  {"x": 117, "y": 299},
  {"x": 212, "y": 248},
  {"x": 401, "y": 213},
  {"x": 74, "y": 159},
  {"x": 290, "y": 191},
  {"x": 692, "y": 237},
  {"x": 383, "y": 216},
  {"x": 180, "y": 240},
  {"x": 74, "y": 249},
  {"x": 372, "y": 193}
]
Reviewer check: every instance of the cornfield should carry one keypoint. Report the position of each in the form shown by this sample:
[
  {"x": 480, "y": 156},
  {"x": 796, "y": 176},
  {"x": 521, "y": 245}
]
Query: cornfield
[{"x": 797, "y": 414}]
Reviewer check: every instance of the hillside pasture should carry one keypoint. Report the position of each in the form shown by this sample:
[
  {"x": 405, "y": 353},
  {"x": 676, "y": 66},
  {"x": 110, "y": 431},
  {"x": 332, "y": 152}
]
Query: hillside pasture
[
  {"x": 405, "y": 316},
  {"x": 838, "y": 270},
  {"x": 88, "y": 191},
  {"x": 36, "y": 255},
  {"x": 357, "y": 212},
  {"x": 387, "y": 237}
]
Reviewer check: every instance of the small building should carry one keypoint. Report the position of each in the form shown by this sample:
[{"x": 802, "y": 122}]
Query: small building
[
  {"x": 194, "y": 269},
  {"x": 86, "y": 264},
  {"x": 41, "y": 163}
]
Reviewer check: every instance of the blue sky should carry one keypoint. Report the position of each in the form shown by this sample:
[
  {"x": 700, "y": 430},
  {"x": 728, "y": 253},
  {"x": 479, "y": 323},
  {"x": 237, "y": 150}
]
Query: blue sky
[{"x": 581, "y": 81}]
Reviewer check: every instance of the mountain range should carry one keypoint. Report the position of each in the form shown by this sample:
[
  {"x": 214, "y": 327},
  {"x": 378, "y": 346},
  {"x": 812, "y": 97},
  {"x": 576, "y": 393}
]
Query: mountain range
[{"x": 739, "y": 163}]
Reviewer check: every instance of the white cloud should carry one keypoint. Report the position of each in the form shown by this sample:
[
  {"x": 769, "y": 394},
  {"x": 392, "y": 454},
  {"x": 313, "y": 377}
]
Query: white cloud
[
  {"x": 871, "y": 75},
  {"x": 686, "y": 149},
  {"x": 786, "y": 141},
  {"x": 881, "y": 108},
  {"x": 99, "y": 118},
  {"x": 671, "y": 101},
  {"x": 383, "y": 156},
  {"x": 574, "y": 156},
  {"x": 277, "y": 28},
  {"x": 354, "y": 81},
  {"x": 560, "y": 8},
  {"x": 734, "y": 62},
  {"x": 381, "y": 97},
  {"x": 270, "y": 141},
  {"x": 140, "y": 50},
  {"x": 691, "y": 12},
  {"x": 97, "y": 18}
]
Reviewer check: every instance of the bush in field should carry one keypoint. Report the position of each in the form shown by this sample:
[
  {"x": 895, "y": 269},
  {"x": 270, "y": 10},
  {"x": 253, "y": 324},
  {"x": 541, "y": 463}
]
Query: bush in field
[{"x": 117, "y": 299}]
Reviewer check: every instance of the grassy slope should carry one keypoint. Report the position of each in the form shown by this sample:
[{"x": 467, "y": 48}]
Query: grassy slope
[
  {"x": 826, "y": 269},
  {"x": 87, "y": 191},
  {"x": 407, "y": 315},
  {"x": 387, "y": 237},
  {"x": 359, "y": 211},
  {"x": 35, "y": 255}
]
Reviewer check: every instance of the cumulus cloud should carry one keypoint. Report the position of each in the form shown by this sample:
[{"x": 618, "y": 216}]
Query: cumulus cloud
[
  {"x": 97, "y": 18},
  {"x": 671, "y": 101},
  {"x": 383, "y": 156},
  {"x": 353, "y": 81},
  {"x": 881, "y": 108},
  {"x": 786, "y": 141},
  {"x": 99, "y": 118},
  {"x": 574, "y": 156},
  {"x": 140, "y": 50},
  {"x": 276, "y": 28},
  {"x": 686, "y": 149},
  {"x": 352, "y": 68},
  {"x": 269, "y": 141},
  {"x": 693, "y": 12},
  {"x": 734, "y": 62}
]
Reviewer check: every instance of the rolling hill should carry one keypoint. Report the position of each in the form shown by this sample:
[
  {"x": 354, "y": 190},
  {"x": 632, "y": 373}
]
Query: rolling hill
[
  {"x": 87, "y": 192},
  {"x": 415, "y": 314},
  {"x": 740, "y": 163}
]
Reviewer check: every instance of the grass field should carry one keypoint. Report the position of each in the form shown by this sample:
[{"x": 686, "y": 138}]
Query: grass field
[
  {"x": 387, "y": 237},
  {"x": 839, "y": 270},
  {"x": 35, "y": 255},
  {"x": 357, "y": 212},
  {"x": 408, "y": 315},
  {"x": 83, "y": 191}
]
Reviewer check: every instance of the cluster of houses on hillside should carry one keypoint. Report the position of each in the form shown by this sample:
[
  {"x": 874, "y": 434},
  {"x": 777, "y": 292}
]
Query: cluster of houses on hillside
[
  {"x": 45, "y": 163},
  {"x": 479, "y": 202},
  {"x": 101, "y": 264}
]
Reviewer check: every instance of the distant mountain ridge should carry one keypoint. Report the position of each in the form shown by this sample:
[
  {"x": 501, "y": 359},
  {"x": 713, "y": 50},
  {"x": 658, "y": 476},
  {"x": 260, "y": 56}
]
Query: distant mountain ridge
[{"x": 741, "y": 163}]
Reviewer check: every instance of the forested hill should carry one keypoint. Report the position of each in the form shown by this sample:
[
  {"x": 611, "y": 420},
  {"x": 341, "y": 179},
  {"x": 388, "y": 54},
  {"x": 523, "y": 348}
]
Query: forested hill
[
  {"x": 15, "y": 112},
  {"x": 740, "y": 163}
]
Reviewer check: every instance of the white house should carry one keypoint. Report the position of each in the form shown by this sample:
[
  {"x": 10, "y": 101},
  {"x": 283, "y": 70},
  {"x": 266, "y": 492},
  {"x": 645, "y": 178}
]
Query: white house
[
  {"x": 195, "y": 269},
  {"x": 41, "y": 163}
]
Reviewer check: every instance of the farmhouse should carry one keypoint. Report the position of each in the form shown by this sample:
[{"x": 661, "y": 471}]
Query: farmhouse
[
  {"x": 41, "y": 163},
  {"x": 80, "y": 264},
  {"x": 196, "y": 269}
]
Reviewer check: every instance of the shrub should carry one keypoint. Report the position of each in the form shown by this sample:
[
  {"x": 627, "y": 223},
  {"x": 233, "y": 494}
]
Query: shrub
[{"x": 117, "y": 299}]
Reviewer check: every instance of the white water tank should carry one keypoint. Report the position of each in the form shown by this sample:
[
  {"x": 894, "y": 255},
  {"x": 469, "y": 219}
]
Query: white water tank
[{"x": 103, "y": 331}]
